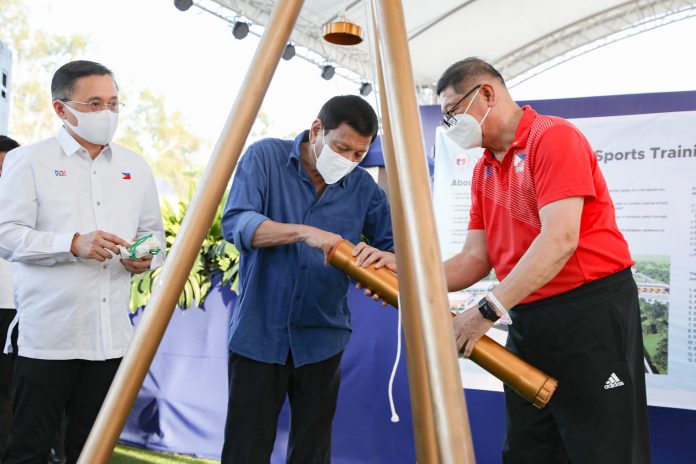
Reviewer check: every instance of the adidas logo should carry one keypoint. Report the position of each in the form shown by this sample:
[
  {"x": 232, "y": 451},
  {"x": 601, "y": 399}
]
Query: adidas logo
[{"x": 613, "y": 382}]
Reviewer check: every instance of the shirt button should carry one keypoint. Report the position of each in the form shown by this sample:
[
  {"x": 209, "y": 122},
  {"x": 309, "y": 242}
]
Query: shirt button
[
  {"x": 95, "y": 172},
  {"x": 99, "y": 203},
  {"x": 104, "y": 266},
  {"x": 297, "y": 297},
  {"x": 103, "y": 300}
]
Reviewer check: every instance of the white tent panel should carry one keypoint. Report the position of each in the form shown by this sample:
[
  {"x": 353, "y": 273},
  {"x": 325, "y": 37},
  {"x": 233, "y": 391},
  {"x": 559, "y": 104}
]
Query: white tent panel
[{"x": 514, "y": 35}]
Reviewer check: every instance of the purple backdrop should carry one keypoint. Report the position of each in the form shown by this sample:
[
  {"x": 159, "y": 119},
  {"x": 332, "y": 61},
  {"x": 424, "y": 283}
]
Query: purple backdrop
[{"x": 181, "y": 406}]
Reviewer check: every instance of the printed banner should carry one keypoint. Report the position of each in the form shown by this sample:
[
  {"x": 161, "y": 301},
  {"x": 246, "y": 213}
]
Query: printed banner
[{"x": 649, "y": 163}]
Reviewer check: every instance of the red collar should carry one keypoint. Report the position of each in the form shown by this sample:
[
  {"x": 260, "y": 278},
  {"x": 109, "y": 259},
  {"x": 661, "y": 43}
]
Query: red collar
[{"x": 521, "y": 133}]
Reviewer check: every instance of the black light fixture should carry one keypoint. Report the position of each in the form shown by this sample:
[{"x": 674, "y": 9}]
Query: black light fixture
[
  {"x": 365, "y": 88},
  {"x": 328, "y": 71},
  {"x": 289, "y": 52},
  {"x": 240, "y": 30},
  {"x": 183, "y": 5}
]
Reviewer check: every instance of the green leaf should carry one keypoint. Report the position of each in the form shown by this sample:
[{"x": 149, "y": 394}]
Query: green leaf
[{"x": 216, "y": 255}]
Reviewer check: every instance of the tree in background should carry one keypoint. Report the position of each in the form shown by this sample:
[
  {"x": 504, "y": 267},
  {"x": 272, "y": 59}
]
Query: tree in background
[
  {"x": 36, "y": 56},
  {"x": 162, "y": 137},
  {"x": 145, "y": 126}
]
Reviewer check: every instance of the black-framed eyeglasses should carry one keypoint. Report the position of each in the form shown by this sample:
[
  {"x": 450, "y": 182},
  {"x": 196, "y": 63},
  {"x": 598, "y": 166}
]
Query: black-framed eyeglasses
[{"x": 448, "y": 119}]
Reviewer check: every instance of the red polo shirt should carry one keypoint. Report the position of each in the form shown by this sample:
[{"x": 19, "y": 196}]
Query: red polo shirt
[{"x": 549, "y": 160}]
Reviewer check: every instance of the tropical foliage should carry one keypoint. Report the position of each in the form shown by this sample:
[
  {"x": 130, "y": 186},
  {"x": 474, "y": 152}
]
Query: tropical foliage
[{"x": 217, "y": 258}]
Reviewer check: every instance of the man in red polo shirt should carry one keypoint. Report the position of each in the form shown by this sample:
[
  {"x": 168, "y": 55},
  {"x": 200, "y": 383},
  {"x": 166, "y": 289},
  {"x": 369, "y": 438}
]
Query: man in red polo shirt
[{"x": 542, "y": 217}]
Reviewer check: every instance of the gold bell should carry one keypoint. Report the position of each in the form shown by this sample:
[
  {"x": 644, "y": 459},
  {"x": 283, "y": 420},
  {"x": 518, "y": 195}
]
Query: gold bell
[{"x": 342, "y": 32}]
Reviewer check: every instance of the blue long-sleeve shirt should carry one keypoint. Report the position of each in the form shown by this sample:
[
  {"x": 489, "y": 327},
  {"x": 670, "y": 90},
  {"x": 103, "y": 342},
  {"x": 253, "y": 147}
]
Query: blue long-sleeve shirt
[{"x": 288, "y": 300}]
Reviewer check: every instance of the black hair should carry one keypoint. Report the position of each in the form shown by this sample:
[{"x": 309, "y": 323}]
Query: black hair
[
  {"x": 352, "y": 110},
  {"x": 463, "y": 72},
  {"x": 7, "y": 144},
  {"x": 64, "y": 79}
]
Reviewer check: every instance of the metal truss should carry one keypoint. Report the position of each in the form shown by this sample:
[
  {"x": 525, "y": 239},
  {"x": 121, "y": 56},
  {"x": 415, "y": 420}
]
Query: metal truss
[
  {"x": 352, "y": 63},
  {"x": 583, "y": 36},
  {"x": 590, "y": 33}
]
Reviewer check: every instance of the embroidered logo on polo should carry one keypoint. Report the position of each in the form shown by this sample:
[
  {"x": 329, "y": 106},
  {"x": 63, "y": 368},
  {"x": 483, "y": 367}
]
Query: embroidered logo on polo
[
  {"x": 519, "y": 162},
  {"x": 613, "y": 382},
  {"x": 60, "y": 173},
  {"x": 126, "y": 175}
]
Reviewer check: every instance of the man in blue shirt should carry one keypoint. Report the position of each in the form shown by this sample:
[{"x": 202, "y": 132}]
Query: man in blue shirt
[{"x": 289, "y": 202}]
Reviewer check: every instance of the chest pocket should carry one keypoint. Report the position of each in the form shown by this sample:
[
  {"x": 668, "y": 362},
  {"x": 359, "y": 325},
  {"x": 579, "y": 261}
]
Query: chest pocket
[{"x": 349, "y": 229}]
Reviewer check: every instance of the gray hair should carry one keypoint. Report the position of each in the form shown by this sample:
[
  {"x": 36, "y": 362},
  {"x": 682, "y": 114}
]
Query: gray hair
[{"x": 464, "y": 71}]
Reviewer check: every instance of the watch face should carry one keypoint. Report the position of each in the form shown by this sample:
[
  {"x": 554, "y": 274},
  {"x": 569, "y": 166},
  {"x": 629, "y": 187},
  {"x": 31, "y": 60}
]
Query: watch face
[{"x": 487, "y": 311}]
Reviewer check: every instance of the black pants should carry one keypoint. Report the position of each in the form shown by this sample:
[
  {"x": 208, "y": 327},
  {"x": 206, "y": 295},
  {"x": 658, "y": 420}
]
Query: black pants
[
  {"x": 44, "y": 389},
  {"x": 257, "y": 393},
  {"x": 590, "y": 340},
  {"x": 6, "y": 388}
]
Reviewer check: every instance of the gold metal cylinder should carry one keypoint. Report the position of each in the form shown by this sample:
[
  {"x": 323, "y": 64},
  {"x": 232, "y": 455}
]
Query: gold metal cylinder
[
  {"x": 342, "y": 33},
  {"x": 129, "y": 378},
  {"x": 528, "y": 381}
]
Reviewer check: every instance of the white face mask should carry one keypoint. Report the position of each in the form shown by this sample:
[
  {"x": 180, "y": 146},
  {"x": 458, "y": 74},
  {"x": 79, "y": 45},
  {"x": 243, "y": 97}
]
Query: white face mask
[
  {"x": 96, "y": 127},
  {"x": 467, "y": 131},
  {"x": 332, "y": 166}
]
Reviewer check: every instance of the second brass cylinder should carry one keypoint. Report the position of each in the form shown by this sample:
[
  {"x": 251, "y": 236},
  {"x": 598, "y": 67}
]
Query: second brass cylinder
[{"x": 528, "y": 381}]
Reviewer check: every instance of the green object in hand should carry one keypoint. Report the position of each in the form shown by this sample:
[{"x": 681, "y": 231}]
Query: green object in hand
[{"x": 133, "y": 248}]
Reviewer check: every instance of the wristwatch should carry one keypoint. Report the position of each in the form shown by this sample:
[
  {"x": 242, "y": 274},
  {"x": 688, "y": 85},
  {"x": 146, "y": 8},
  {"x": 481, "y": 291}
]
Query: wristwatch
[{"x": 487, "y": 310}]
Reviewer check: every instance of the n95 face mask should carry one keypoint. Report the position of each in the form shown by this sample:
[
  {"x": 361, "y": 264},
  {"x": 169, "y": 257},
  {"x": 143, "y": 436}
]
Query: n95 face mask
[{"x": 467, "y": 131}]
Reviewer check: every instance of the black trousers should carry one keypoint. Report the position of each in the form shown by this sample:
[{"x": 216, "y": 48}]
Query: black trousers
[
  {"x": 257, "y": 392},
  {"x": 590, "y": 340},
  {"x": 44, "y": 390},
  {"x": 6, "y": 388}
]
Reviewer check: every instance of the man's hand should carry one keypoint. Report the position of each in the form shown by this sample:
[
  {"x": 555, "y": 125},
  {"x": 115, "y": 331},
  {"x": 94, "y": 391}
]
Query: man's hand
[
  {"x": 97, "y": 245},
  {"x": 366, "y": 255},
  {"x": 469, "y": 326},
  {"x": 137, "y": 266},
  {"x": 325, "y": 241}
]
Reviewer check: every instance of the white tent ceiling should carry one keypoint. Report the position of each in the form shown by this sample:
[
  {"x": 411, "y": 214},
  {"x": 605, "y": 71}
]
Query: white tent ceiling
[{"x": 519, "y": 37}]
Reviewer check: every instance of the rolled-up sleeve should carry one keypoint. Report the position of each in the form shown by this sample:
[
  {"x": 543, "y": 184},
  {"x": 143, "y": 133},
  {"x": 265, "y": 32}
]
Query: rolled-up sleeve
[{"x": 244, "y": 209}]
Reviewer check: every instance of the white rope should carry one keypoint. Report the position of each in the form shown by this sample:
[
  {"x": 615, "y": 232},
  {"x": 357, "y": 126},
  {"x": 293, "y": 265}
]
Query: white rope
[{"x": 394, "y": 415}]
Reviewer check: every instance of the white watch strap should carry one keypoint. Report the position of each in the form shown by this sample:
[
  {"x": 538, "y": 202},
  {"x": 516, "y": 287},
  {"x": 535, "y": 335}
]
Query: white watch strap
[{"x": 505, "y": 317}]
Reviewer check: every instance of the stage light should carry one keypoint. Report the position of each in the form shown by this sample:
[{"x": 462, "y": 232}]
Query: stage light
[
  {"x": 327, "y": 71},
  {"x": 365, "y": 88},
  {"x": 183, "y": 5},
  {"x": 240, "y": 30},
  {"x": 289, "y": 52}
]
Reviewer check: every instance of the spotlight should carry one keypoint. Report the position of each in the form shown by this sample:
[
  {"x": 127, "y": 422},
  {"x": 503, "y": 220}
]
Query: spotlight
[
  {"x": 289, "y": 52},
  {"x": 240, "y": 30},
  {"x": 183, "y": 5},
  {"x": 328, "y": 71},
  {"x": 365, "y": 88}
]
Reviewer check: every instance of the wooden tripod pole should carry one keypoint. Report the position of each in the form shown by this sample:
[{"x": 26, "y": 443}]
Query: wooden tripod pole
[
  {"x": 441, "y": 425},
  {"x": 130, "y": 376}
]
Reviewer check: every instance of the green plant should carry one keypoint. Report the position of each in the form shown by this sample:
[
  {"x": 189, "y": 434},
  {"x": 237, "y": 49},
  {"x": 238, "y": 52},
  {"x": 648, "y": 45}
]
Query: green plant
[{"x": 216, "y": 256}]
